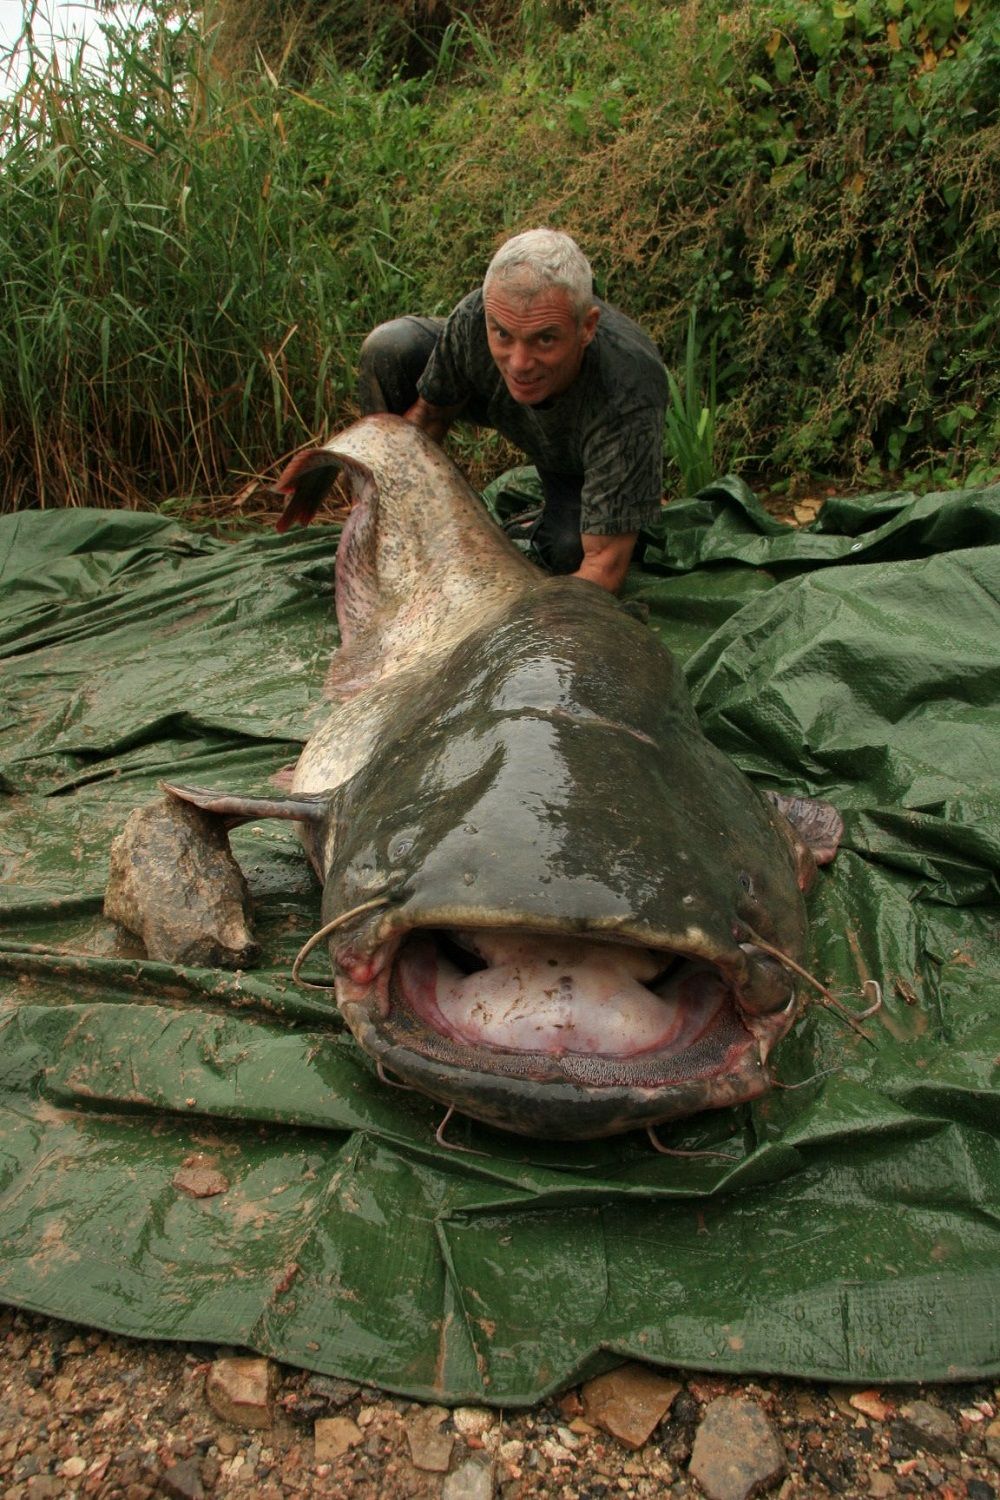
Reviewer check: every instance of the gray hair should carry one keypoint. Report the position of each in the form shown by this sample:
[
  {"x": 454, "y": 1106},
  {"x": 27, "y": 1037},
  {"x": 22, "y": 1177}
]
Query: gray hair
[{"x": 528, "y": 263}]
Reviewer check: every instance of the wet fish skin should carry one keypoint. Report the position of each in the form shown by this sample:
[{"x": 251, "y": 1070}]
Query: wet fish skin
[{"x": 514, "y": 755}]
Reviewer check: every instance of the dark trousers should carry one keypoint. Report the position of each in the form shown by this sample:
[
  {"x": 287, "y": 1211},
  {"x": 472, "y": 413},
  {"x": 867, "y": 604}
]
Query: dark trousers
[{"x": 392, "y": 360}]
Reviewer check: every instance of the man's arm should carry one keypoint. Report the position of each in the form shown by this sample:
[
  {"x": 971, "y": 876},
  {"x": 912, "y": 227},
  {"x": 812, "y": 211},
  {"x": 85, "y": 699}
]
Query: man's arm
[
  {"x": 434, "y": 420},
  {"x": 606, "y": 559}
]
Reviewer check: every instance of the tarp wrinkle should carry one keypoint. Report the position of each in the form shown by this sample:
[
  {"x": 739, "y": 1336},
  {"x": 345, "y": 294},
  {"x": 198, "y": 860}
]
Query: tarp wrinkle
[{"x": 844, "y": 1229}]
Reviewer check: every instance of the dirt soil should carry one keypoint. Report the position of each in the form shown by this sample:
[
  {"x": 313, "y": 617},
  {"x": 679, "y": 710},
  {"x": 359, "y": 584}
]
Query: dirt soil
[{"x": 87, "y": 1413}]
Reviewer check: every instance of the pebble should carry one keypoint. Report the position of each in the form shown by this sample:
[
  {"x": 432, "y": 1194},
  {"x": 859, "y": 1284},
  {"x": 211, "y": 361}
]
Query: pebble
[
  {"x": 335, "y": 1392},
  {"x": 870, "y": 1404},
  {"x": 927, "y": 1427},
  {"x": 241, "y": 1391},
  {"x": 472, "y": 1421},
  {"x": 182, "y": 1482},
  {"x": 806, "y": 1407},
  {"x": 472, "y": 1480},
  {"x": 555, "y": 1451},
  {"x": 629, "y": 1402},
  {"x": 430, "y": 1449},
  {"x": 334, "y": 1436},
  {"x": 199, "y": 1181},
  {"x": 735, "y": 1450}
]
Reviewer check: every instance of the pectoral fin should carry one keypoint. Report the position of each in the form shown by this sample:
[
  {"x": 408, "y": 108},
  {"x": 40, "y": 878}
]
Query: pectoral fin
[
  {"x": 818, "y": 824},
  {"x": 304, "y": 485},
  {"x": 236, "y": 808}
]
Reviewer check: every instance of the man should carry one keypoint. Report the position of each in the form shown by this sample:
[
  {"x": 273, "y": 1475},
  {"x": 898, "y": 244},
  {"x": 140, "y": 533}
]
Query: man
[{"x": 568, "y": 379}]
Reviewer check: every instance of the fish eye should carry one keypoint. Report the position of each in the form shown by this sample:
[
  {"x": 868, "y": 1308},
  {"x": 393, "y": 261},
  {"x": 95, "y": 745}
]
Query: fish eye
[
  {"x": 746, "y": 882},
  {"x": 399, "y": 847}
]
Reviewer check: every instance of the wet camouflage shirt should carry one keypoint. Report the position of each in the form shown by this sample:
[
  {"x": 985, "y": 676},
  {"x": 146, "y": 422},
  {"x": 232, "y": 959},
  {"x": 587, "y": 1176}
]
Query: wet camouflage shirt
[{"x": 607, "y": 429}]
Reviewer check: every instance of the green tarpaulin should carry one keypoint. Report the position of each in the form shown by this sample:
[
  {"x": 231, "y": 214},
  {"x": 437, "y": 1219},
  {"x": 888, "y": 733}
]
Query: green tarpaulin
[{"x": 851, "y": 1228}]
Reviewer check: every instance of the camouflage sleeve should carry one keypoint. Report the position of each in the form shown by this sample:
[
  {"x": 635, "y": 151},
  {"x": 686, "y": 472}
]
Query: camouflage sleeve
[
  {"x": 448, "y": 378},
  {"x": 623, "y": 474}
]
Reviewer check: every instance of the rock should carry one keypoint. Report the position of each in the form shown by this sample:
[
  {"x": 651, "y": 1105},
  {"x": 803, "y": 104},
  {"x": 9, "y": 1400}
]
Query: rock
[
  {"x": 334, "y": 1436},
  {"x": 556, "y": 1452},
  {"x": 628, "y": 1402},
  {"x": 473, "y": 1421},
  {"x": 735, "y": 1450},
  {"x": 197, "y": 1177},
  {"x": 472, "y": 1480},
  {"x": 806, "y": 1407},
  {"x": 173, "y": 881},
  {"x": 570, "y": 1405},
  {"x": 73, "y": 1467},
  {"x": 926, "y": 1426},
  {"x": 335, "y": 1393},
  {"x": 182, "y": 1482},
  {"x": 870, "y": 1404},
  {"x": 881, "y": 1485},
  {"x": 241, "y": 1391},
  {"x": 45, "y": 1487},
  {"x": 305, "y": 1410},
  {"x": 430, "y": 1449}
]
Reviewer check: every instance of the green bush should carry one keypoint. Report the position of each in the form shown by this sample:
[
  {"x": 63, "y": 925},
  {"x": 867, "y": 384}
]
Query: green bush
[{"x": 191, "y": 254}]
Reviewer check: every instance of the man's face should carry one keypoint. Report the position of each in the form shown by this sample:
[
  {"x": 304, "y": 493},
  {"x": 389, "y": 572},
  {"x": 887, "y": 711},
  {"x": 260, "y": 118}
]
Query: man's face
[{"x": 537, "y": 342}]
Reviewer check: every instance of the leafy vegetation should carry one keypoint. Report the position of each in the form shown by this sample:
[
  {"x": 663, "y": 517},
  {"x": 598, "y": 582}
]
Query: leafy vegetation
[
  {"x": 195, "y": 237},
  {"x": 689, "y": 438}
]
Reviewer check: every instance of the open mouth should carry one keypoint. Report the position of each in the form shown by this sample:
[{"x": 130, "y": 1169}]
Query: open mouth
[
  {"x": 528, "y": 993},
  {"x": 525, "y": 390},
  {"x": 602, "y": 1015}
]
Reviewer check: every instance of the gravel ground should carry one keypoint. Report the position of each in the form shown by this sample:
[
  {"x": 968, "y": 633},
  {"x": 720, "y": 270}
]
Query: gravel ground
[{"x": 86, "y": 1413}]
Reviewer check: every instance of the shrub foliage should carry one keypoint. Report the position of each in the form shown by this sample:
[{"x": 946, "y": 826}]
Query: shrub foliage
[{"x": 196, "y": 235}]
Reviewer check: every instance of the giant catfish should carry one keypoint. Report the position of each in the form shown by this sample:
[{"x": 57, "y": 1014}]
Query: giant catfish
[{"x": 549, "y": 901}]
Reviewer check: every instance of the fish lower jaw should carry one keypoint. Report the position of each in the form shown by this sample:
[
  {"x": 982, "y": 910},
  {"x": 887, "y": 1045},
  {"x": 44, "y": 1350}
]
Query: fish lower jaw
[{"x": 562, "y": 1036}]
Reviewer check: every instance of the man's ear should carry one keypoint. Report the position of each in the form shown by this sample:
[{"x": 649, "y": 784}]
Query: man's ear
[{"x": 588, "y": 326}]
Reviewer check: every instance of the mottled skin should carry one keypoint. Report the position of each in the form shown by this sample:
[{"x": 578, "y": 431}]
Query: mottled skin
[{"x": 513, "y": 754}]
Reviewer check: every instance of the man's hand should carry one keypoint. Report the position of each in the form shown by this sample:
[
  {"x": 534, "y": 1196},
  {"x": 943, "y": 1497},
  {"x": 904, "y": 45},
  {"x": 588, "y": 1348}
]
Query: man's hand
[
  {"x": 606, "y": 559},
  {"x": 434, "y": 420}
]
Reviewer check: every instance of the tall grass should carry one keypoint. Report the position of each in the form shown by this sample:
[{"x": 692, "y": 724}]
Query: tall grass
[
  {"x": 690, "y": 420},
  {"x": 184, "y": 279},
  {"x": 191, "y": 253}
]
